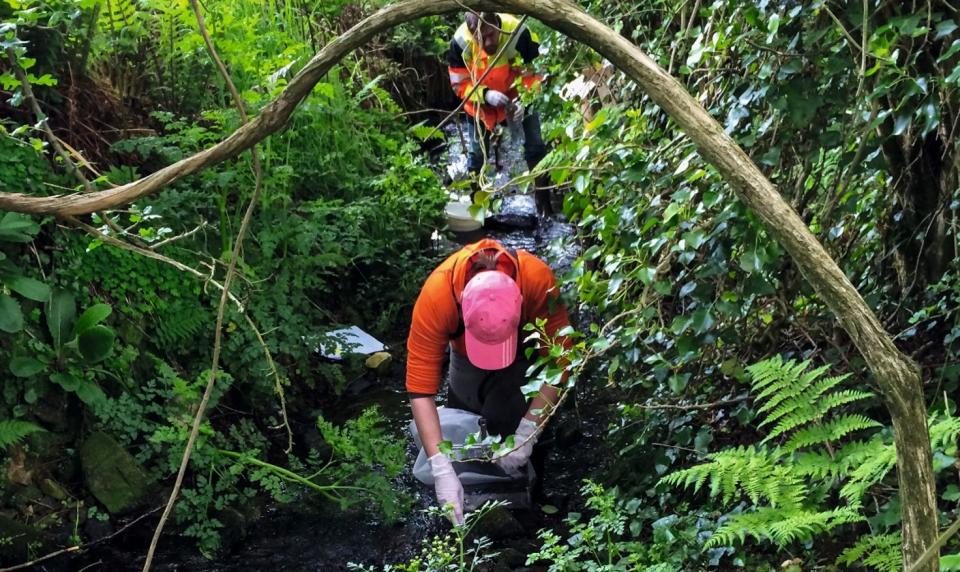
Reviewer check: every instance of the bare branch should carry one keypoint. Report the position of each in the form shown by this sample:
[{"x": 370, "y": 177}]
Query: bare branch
[{"x": 187, "y": 234}]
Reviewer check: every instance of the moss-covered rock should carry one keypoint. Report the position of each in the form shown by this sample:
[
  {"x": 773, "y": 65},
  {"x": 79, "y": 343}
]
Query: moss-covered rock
[
  {"x": 112, "y": 475},
  {"x": 53, "y": 489}
]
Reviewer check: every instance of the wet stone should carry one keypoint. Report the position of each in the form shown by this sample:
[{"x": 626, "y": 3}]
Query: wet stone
[
  {"x": 567, "y": 435},
  {"x": 95, "y": 529},
  {"x": 52, "y": 411},
  {"x": 112, "y": 475},
  {"x": 24, "y": 496},
  {"x": 498, "y": 524},
  {"x": 235, "y": 527},
  {"x": 511, "y": 222},
  {"x": 511, "y": 559}
]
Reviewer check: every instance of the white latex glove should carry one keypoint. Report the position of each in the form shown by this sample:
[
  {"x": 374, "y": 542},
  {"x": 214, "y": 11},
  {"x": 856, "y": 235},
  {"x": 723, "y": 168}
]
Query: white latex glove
[
  {"x": 516, "y": 111},
  {"x": 496, "y": 98},
  {"x": 448, "y": 487},
  {"x": 524, "y": 439}
]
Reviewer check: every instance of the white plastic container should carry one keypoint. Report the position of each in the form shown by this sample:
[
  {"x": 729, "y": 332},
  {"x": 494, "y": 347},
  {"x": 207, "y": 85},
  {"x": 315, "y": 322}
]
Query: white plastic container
[{"x": 459, "y": 219}]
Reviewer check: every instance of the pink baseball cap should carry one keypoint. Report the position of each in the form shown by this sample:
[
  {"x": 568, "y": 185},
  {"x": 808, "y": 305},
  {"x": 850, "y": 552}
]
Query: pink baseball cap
[{"x": 491, "y": 317}]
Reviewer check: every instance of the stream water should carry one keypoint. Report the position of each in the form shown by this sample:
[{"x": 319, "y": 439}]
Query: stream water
[{"x": 313, "y": 536}]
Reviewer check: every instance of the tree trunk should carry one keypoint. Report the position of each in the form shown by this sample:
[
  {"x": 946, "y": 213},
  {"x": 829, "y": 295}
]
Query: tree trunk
[
  {"x": 923, "y": 183},
  {"x": 897, "y": 376}
]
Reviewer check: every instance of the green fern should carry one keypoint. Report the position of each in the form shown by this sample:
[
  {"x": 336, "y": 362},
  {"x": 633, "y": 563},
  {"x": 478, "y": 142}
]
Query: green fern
[
  {"x": 880, "y": 457},
  {"x": 830, "y": 431},
  {"x": 756, "y": 472},
  {"x": 787, "y": 485},
  {"x": 880, "y": 552},
  {"x": 179, "y": 324},
  {"x": 838, "y": 465},
  {"x": 944, "y": 432},
  {"x": 13, "y": 431},
  {"x": 797, "y": 397},
  {"x": 870, "y": 471},
  {"x": 950, "y": 563},
  {"x": 780, "y": 526}
]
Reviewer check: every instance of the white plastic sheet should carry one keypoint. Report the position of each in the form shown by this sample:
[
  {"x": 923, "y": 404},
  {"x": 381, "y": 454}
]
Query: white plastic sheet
[
  {"x": 455, "y": 425},
  {"x": 350, "y": 340}
]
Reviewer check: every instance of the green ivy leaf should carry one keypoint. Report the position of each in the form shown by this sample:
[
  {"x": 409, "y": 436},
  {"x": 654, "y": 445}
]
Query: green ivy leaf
[
  {"x": 549, "y": 509},
  {"x": 95, "y": 343},
  {"x": 11, "y": 318},
  {"x": 15, "y": 227},
  {"x": 445, "y": 447},
  {"x": 670, "y": 212},
  {"x": 945, "y": 28},
  {"x": 91, "y": 394},
  {"x": 750, "y": 261},
  {"x": 25, "y": 366},
  {"x": 703, "y": 439},
  {"x": 678, "y": 382},
  {"x": 61, "y": 311},
  {"x": 92, "y": 316},
  {"x": 901, "y": 123},
  {"x": 29, "y": 288}
]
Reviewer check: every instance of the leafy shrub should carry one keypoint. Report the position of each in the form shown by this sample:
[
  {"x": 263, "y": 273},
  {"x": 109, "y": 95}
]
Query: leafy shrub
[{"x": 617, "y": 537}]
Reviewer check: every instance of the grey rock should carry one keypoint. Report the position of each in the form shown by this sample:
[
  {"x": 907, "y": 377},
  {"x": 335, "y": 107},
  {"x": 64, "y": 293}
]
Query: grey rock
[{"x": 112, "y": 475}]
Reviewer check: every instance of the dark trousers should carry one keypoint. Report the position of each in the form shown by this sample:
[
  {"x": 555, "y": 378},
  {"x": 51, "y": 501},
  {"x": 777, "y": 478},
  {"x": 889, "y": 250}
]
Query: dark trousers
[
  {"x": 533, "y": 151},
  {"x": 496, "y": 396}
]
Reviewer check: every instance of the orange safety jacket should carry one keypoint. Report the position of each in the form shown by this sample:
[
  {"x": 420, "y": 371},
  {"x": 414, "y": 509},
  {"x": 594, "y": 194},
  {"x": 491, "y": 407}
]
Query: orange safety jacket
[
  {"x": 436, "y": 315},
  {"x": 468, "y": 62}
]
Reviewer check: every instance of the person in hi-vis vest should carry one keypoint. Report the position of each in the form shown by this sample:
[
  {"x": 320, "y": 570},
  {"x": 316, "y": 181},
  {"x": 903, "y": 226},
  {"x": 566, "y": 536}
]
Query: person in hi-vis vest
[{"x": 495, "y": 100}]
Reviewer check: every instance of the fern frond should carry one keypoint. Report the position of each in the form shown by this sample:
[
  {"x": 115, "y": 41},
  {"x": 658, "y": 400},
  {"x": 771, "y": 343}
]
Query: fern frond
[
  {"x": 818, "y": 465},
  {"x": 781, "y": 526},
  {"x": 832, "y": 430},
  {"x": 805, "y": 387},
  {"x": 180, "y": 323},
  {"x": 881, "y": 552},
  {"x": 13, "y": 431},
  {"x": 828, "y": 383},
  {"x": 822, "y": 465},
  {"x": 944, "y": 431},
  {"x": 791, "y": 384},
  {"x": 870, "y": 471},
  {"x": 774, "y": 371},
  {"x": 758, "y": 473},
  {"x": 814, "y": 410}
]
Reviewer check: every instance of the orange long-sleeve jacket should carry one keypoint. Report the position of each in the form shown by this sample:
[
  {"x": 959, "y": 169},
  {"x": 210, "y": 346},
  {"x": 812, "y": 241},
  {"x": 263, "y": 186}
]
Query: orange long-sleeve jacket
[{"x": 436, "y": 316}]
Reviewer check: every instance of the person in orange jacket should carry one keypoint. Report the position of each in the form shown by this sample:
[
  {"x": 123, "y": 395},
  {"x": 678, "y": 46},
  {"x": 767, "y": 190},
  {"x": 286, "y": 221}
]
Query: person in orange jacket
[
  {"x": 496, "y": 99},
  {"x": 476, "y": 302}
]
